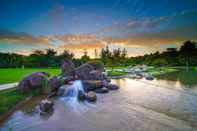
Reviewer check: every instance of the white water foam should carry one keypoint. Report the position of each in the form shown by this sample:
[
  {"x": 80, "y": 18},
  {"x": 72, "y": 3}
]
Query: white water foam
[{"x": 71, "y": 98}]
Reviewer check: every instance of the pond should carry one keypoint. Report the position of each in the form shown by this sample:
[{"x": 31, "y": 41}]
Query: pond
[
  {"x": 165, "y": 103},
  {"x": 181, "y": 79}
]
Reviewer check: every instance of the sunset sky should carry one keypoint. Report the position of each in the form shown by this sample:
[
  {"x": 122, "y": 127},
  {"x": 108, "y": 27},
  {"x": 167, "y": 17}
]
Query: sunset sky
[{"x": 140, "y": 26}]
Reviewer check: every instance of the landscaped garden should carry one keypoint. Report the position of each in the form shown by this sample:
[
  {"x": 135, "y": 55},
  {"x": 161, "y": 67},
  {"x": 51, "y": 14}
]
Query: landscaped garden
[{"x": 16, "y": 74}]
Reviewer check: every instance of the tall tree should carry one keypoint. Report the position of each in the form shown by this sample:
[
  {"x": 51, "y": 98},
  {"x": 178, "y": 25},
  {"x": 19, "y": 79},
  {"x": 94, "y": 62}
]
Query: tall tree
[{"x": 188, "y": 50}]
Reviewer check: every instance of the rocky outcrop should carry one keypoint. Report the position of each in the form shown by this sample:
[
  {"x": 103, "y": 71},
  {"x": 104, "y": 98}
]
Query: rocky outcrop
[
  {"x": 68, "y": 68},
  {"x": 90, "y": 72},
  {"x": 67, "y": 79},
  {"x": 97, "y": 65},
  {"x": 46, "y": 106},
  {"x": 92, "y": 75},
  {"x": 149, "y": 78},
  {"x": 112, "y": 87},
  {"x": 54, "y": 83},
  {"x": 97, "y": 75},
  {"x": 91, "y": 85},
  {"x": 102, "y": 90},
  {"x": 38, "y": 80},
  {"x": 83, "y": 72},
  {"x": 91, "y": 96}
]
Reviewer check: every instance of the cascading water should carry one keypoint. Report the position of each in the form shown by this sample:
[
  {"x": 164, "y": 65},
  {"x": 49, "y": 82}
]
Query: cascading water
[
  {"x": 73, "y": 90},
  {"x": 70, "y": 97}
]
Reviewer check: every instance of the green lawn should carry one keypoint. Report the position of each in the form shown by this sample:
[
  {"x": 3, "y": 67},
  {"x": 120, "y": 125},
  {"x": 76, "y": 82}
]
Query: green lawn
[
  {"x": 116, "y": 73},
  {"x": 117, "y": 67},
  {"x": 160, "y": 70},
  {"x": 9, "y": 98},
  {"x": 15, "y": 75}
]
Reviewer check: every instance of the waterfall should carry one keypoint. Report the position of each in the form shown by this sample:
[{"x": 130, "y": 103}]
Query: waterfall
[
  {"x": 70, "y": 97},
  {"x": 72, "y": 91}
]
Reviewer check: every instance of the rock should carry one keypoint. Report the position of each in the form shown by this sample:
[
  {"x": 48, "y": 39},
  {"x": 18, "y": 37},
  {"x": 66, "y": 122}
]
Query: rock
[
  {"x": 83, "y": 72},
  {"x": 112, "y": 87},
  {"x": 150, "y": 78},
  {"x": 24, "y": 86},
  {"x": 138, "y": 77},
  {"x": 91, "y": 96},
  {"x": 67, "y": 79},
  {"x": 55, "y": 83},
  {"x": 61, "y": 90},
  {"x": 67, "y": 68},
  {"x": 98, "y": 65},
  {"x": 104, "y": 83},
  {"x": 108, "y": 80},
  {"x": 45, "y": 74},
  {"x": 52, "y": 94},
  {"x": 81, "y": 96},
  {"x": 96, "y": 75},
  {"x": 70, "y": 82},
  {"x": 38, "y": 80},
  {"x": 46, "y": 106},
  {"x": 105, "y": 75},
  {"x": 90, "y": 72},
  {"x": 102, "y": 90},
  {"x": 91, "y": 85}
]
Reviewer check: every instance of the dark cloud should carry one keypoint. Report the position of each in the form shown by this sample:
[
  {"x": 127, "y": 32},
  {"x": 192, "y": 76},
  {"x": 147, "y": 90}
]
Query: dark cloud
[{"x": 22, "y": 38}]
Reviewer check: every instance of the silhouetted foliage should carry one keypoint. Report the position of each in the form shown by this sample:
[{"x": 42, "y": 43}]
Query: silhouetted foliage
[{"x": 186, "y": 55}]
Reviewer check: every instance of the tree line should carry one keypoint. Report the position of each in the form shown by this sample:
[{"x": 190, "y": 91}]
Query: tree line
[{"x": 186, "y": 55}]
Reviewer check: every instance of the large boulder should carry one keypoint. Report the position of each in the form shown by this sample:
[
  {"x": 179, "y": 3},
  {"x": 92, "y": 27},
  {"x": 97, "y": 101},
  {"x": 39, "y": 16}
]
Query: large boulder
[
  {"x": 38, "y": 80},
  {"x": 68, "y": 68},
  {"x": 54, "y": 83},
  {"x": 102, "y": 90},
  {"x": 91, "y": 85},
  {"x": 105, "y": 83},
  {"x": 96, "y": 75},
  {"x": 89, "y": 72},
  {"x": 83, "y": 72},
  {"x": 91, "y": 96},
  {"x": 112, "y": 87},
  {"x": 46, "y": 106},
  {"x": 98, "y": 65},
  {"x": 67, "y": 79},
  {"x": 149, "y": 78}
]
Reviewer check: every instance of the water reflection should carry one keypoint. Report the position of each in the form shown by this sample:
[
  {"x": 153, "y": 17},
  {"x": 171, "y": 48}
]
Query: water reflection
[
  {"x": 187, "y": 78},
  {"x": 138, "y": 105}
]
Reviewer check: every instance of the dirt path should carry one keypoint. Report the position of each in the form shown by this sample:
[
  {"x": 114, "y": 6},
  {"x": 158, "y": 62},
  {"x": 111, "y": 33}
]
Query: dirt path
[{"x": 8, "y": 86}]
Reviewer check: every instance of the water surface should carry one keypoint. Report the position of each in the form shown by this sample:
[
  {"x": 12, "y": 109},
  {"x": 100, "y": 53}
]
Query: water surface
[{"x": 139, "y": 105}]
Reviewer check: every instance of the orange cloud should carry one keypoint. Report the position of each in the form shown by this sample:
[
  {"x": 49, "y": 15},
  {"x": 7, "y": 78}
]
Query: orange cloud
[{"x": 83, "y": 46}]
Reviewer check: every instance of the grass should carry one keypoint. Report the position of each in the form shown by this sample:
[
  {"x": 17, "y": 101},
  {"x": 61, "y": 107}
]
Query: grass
[
  {"x": 116, "y": 73},
  {"x": 117, "y": 67},
  {"x": 161, "y": 70},
  {"x": 152, "y": 70},
  {"x": 112, "y": 71},
  {"x": 9, "y": 98},
  {"x": 16, "y": 74}
]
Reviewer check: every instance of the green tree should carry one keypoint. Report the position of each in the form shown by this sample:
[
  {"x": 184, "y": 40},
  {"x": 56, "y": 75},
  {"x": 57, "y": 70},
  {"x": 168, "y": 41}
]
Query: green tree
[{"x": 188, "y": 51}]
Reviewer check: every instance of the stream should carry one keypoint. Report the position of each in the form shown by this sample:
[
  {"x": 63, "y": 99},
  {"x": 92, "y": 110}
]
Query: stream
[{"x": 163, "y": 104}]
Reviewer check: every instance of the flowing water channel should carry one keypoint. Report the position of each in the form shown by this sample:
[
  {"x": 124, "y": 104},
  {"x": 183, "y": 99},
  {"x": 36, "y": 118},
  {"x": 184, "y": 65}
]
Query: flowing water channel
[{"x": 168, "y": 103}]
